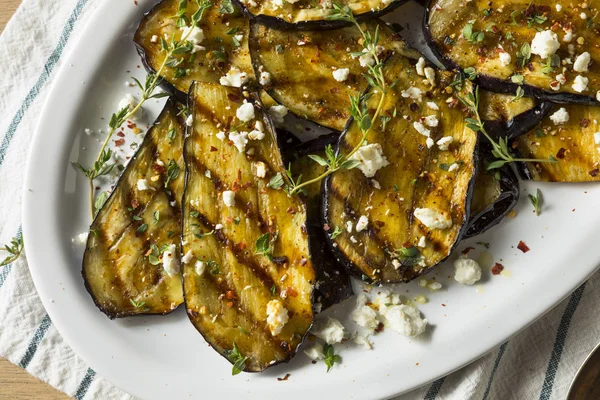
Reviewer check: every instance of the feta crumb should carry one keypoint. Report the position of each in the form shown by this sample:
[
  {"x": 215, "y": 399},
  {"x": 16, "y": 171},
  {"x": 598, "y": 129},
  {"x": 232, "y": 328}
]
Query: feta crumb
[
  {"x": 367, "y": 59},
  {"x": 598, "y": 96},
  {"x": 265, "y": 78},
  {"x": 189, "y": 120},
  {"x": 376, "y": 184},
  {"x": 229, "y": 198},
  {"x": 330, "y": 330},
  {"x": 559, "y": 8},
  {"x": 429, "y": 142},
  {"x": 406, "y": 320},
  {"x": 421, "y": 66},
  {"x": 545, "y": 44},
  {"x": 431, "y": 121},
  {"x": 466, "y": 271},
  {"x": 170, "y": 264},
  {"x": 200, "y": 267},
  {"x": 353, "y": 239},
  {"x": 261, "y": 169},
  {"x": 432, "y": 218},
  {"x": 362, "y": 223},
  {"x": 277, "y": 316},
  {"x": 234, "y": 78},
  {"x": 422, "y": 242},
  {"x": 445, "y": 142},
  {"x": 154, "y": 39},
  {"x": 194, "y": 35},
  {"x": 364, "y": 315},
  {"x": 561, "y": 78},
  {"x": 81, "y": 238},
  {"x": 278, "y": 113},
  {"x": 349, "y": 226},
  {"x": 315, "y": 352},
  {"x": 396, "y": 263},
  {"x": 596, "y": 140},
  {"x": 341, "y": 74},
  {"x": 371, "y": 159},
  {"x": 258, "y": 132},
  {"x": 582, "y": 62},
  {"x": 412, "y": 93},
  {"x": 245, "y": 112},
  {"x": 453, "y": 167},
  {"x": 88, "y": 131},
  {"x": 218, "y": 227},
  {"x": 208, "y": 174},
  {"x": 432, "y": 106},
  {"x": 239, "y": 139},
  {"x": 142, "y": 184},
  {"x": 430, "y": 75},
  {"x": 583, "y": 15},
  {"x": 362, "y": 341},
  {"x": 505, "y": 58},
  {"x": 419, "y": 127},
  {"x": 187, "y": 257},
  {"x": 130, "y": 103},
  {"x": 434, "y": 286},
  {"x": 580, "y": 83},
  {"x": 560, "y": 117},
  {"x": 386, "y": 299}
]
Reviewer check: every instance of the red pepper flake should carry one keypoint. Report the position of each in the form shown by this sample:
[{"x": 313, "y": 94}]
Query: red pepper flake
[
  {"x": 285, "y": 378},
  {"x": 119, "y": 142},
  {"x": 120, "y": 134},
  {"x": 443, "y": 305},
  {"x": 594, "y": 172},
  {"x": 561, "y": 153},
  {"x": 523, "y": 247},
  {"x": 380, "y": 327},
  {"x": 159, "y": 169},
  {"x": 134, "y": 203},
  {"x": 291, "y": 210},
  {"x": 380, "y": 223},
  {"x": 497, "y": 269},
  {"x": 229, "y": 304},
  {"x": 230, "y": 295},
  {"x": 326, "y": 227},
  {"x": 584, "y": 123},
  {"x": 291, "y": 292}
]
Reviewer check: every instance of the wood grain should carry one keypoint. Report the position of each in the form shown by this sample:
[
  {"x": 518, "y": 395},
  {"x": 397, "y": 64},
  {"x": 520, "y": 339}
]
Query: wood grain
[{"x": 16, "y": 383}]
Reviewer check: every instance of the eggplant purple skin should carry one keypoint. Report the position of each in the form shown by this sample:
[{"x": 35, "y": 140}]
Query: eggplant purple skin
[
  {"x": 500, "y": 85},
  {"x": 521, "y": 124},
  {"x": 349, "y": 266},
  {"x": 322, "y": 25}
]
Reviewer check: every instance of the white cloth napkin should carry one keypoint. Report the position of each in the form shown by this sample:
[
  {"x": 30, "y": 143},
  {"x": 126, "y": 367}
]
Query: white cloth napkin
[{"x": 538, "y": 363}]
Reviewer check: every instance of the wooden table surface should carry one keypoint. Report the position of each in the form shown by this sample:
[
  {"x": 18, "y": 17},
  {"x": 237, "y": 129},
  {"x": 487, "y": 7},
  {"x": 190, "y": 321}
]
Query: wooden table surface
[{"x": 16, "y": 383}]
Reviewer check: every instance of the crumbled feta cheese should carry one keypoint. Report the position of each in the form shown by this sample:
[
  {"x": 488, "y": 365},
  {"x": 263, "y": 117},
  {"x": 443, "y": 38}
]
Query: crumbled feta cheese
[
  {"x": 466, "y": 271},
  {"x": 422, "y": 242},
  {"x": 371, "y": 159},
  {"x": 189, "y": 120},
  {"x": 187, "y": 257},
  {"x": 261, "y": 169},
  {"x": 419, "y": 127},
  {"x": 445, "y": 142},
  {"x": 194, "y": 35},
  {"x": 364, "y": 315},
  {"x": 505, "y": 58},
  {"x": 330, "y": 330},
  {"x": 221, "y": 135},
  {"x": 431, "y": 121},
  {"x": 558, "y": 7},
  {"x": 396, "y": 263},
  {"x": 598, "y": 95},
  {"x": 218, "y": 227},
  {"x": 278, "y": 112},
  {"x": 200, "y": 267},
  {"x": 234, "y": 78},
  {"x": 432, "y": 218},
  {"x": 341, "y": 74},
  {"x": 362, "y": 223},
  {"x": 406, "y": 320},
  {"x": 386, "y": 299},
  {"x": 81, "y": 238},
  {"x": 142, "y": 184},
  {"x": 596, "y": 140},
  {"x": 265, "y": 78},
  {"x": 208, "y": 174},
  {"x": 430, "y": 75},
  {"x": 580, "y": 83},
  {"x": 376, "y": 184},
  {"x": 277, "y": 316},
  {"x": 583, "y": 15},
  {"x": 429, "y": 142},
  {"x": 239, "y": 139},
  {"x": 130, "y": 103},
  {"x": 229, "y": 198},
  {"x": 582, "y": 62},
  {"x": 434, "y": 286},
  {"x": 315, "y": 352},
  {"x": 561, "y": 78},
  {"x": 367, "y": 59},
  {"x": 349, "y": 226},
  {"x": 245, "y": 112},
  {"x": 170, "y": 264},
  {"x": 239, "y": 37},
  {"x": 412, "y": 93},
  {"x": 421, "y": 66},
  {"x": 545, "y": 44},
  {"x": 258, "y": 132},
  {"x": 88, "y": 131},
  {"x": 154, "y": 39},
  {"x": 432, "y": 106},
  {"x": 362, "y": 341},
  {"x": 560, "y": 117},
  {"x": 568, "y": 35}
]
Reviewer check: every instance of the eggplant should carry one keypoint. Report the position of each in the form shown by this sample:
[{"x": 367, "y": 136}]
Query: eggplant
[
  {"x": 124, "y": 265},
  {"x": 575, "y": 144},
  {"x": 497, "y": 43},
  {"x": 225, "y": 43},
  {"x": 333, "y": 283},
  {"x": 305, "y": 15},
  {"x": 248, "y": 273},
  {"x": 415, "y": 185},
  {"x": 301, "y": 65},
  {"x": 496, "y": 193}
]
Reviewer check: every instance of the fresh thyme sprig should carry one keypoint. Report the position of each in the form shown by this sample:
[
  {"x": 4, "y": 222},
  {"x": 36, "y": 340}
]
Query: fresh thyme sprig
[
  {"x": 358, "y": 107},
  {"x": 14, "y": 250},
  {"x": 238, "y": 360},
  {"x": 171, "y": 48},
  {"x": 536, "y": 202},
  {"x": 500, "y": 148}
]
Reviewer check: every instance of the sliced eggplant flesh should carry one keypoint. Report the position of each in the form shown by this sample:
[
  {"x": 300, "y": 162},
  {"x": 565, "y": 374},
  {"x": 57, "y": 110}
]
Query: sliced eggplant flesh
[
  {"x": 574, "y": 143},
  {"x": 551, "y": 49},
  {"x": 302, "y": 68},
  {"x": 496, "y": 193},
  {"x": 132, "y": 257},
  {"x": 222, "y": 49},
  {"x": 434, "y": 184},
  {"x": 311, "y": 15},
  {"x": 248, "y": 280}
]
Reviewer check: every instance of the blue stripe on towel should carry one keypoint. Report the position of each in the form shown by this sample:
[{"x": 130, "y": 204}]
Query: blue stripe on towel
[{"x": 35, "y": 342}]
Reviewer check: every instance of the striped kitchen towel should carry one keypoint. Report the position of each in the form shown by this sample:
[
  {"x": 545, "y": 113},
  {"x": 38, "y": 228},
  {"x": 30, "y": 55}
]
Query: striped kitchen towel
[{"x": 538, "y": 363}]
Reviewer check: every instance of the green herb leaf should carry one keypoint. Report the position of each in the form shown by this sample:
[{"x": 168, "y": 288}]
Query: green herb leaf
[
  {"x": 276, "y": 181},
  {"x": 536, "y": 201},
  {"x": 137, "y": 304},
  {"x": 337, "y": 232},
  {"x": 238, "y": 360},
  {"x": 14, "y": 250},
  {"x": 142, "y": 228},
  {"x": 330, "y": 357}
]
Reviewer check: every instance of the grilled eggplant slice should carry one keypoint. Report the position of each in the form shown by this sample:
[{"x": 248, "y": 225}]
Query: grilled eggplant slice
[
  {"x": 333, "y": 283},
  {"x": 301, "y": 66},
  {"x": 124, "y": 265},
  {"x": 521, "y": 43},
  {"x": 574, "y": 143},
  {"x": 225, "y": 45},
  {"x": 310, "y": 15},
  {"x": 434, "y": 184},
  {"x": 496, "y": 194},
  {"x": 248, "y": 266}
]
